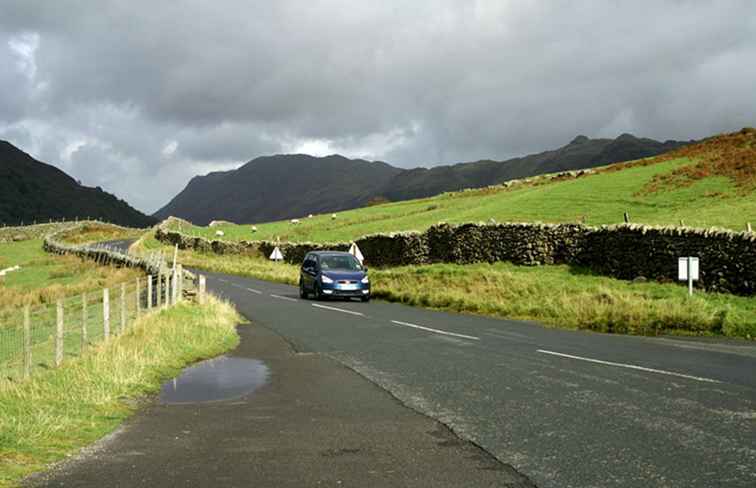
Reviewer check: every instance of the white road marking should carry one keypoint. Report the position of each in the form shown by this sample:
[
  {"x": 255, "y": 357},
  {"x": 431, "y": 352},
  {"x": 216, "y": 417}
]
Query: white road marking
[
  {"x": 436, "y": 331},
  {"x": 630, "y": 366},
  {"x": 338, "y": 309},
  {"x": 254, "y": 291},
  {"x": 284, "y": 298}
]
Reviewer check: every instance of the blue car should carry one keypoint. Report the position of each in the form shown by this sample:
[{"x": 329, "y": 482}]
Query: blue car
[{"x": 328, "y": 274}]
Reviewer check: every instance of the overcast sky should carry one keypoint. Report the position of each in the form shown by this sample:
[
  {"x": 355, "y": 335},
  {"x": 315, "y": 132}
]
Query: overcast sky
[{"x": 139, "y": 96}]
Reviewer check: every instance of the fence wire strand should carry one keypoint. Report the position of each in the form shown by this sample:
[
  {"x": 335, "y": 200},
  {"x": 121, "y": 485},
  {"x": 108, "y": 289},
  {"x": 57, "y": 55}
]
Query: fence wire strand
[{"x": 82, "y": 326}]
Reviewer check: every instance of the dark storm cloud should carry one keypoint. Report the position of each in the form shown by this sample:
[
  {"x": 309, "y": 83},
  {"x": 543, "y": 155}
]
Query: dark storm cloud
[{"x": 138, "y": 96}]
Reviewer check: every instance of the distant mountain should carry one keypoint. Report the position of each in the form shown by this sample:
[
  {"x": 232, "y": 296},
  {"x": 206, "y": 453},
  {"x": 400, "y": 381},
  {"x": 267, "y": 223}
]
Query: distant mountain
[
  {"x": 581, "y": 153},
  {"x": 290, "y": 186},
  {"x": 31, "y": 190},
  {"x": 279, "y": 187}
]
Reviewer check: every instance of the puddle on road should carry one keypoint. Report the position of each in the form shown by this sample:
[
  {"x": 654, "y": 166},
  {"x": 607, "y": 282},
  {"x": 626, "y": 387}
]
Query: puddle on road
[{"x": 222, "y": 378}]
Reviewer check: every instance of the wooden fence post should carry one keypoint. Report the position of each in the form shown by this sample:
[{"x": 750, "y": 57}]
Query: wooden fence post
[
  {"x": 149, "y": 292},
  {"x": 59, "y": 336},
  {"x": 179, "y": 282},
  {"x": 174, "y": 288},
  {"x": 27, "y": 343},
  {"x": 138, "y": 298},
  {"x": 123, "y": 308},
  {"x": 83, "y": 321},
  {"x": 627, "y": 218},
  {"x": 201, "y": 292},
  {"x": 106, "y": 313},
  {"x": 167, "y": 296},
  {"x": 748, "y": 227},
  {"x": 158, "y": 289}
]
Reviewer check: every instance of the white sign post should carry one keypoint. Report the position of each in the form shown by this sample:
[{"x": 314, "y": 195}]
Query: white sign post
[{"x": 687, "y": 270}]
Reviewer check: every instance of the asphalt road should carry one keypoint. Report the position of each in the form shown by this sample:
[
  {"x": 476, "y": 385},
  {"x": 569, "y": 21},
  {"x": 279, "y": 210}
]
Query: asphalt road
[{"x": 565, "y": 408}]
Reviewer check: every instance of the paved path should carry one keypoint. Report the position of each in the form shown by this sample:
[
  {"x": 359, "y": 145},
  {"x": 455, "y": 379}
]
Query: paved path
[
  {"x": 315, "y": 424},
  {"x": 566, "y": 408}
]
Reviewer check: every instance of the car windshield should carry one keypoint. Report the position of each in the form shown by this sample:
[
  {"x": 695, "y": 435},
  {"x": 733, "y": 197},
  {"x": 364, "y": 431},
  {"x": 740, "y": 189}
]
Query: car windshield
[{"x": 346, "y": 262}]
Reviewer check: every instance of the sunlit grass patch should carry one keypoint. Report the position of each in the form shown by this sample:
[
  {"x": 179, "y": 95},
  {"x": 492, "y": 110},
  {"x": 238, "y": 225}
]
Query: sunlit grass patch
[
  {"x": 707, "y": 199},
  {"x": 43, "y": 277},
  {"x": 90, "y": 232},
  {"x": 57, "y": 412}
]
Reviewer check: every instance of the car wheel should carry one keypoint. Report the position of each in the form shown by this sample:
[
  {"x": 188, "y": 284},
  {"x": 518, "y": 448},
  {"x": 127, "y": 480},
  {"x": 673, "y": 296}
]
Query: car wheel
[
  {"x": 365, "y": 299},
  {"x": 302, "y": 291},
  {"x": 318, "y": 294}
]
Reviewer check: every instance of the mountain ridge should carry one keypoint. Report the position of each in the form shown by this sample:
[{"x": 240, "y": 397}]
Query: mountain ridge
[
  {"x": 334, "y": 183},
  {"x": 33, "y": 190}
]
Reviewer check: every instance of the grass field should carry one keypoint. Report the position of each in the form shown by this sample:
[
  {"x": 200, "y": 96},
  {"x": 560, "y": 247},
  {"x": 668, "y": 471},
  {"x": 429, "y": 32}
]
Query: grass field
[
  {"x": 55, "y": 413},
  {"x": 44, "y": 277},
  {"x": 595, "y": 199},
  {"x": 709, "y": 184},
  {"x": 559, "y": 296}
]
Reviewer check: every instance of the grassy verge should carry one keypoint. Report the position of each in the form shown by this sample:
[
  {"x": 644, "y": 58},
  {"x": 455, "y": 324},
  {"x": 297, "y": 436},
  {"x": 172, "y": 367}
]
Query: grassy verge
[
  {"x": 554, "y": 295},
  {"x": 55, "y": 413},
  {"x": 44, "y": 277},
  {"x": 568, "y": 297}
]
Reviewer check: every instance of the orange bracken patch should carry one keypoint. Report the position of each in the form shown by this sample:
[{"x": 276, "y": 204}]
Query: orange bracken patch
[{"x": 730, "y": 155}]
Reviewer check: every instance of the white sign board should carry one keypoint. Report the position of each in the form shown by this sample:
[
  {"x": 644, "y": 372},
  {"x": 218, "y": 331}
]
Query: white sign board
[
  {"x": 276, "y": 255},
  {"x": 355, "y": 251},
  {"x": 682, "y": 269}
]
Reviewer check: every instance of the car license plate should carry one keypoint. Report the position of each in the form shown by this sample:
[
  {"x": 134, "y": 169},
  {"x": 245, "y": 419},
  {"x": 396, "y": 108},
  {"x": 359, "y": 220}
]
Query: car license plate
[{"x": 347, "y": 287}]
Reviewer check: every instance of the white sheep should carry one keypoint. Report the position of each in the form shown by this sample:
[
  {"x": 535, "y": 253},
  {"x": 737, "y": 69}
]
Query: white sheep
[
  {"x": 310, "y": 216},
  {"x": 333, "y": 216},
  {"x": 254, "y": 228},
  {"x": 220, "y": 233},
  {"x": 295, "y": 221}
]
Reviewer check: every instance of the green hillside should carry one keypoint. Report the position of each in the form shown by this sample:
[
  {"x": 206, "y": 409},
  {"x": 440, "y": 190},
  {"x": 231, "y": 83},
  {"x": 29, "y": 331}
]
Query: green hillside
[{"x": 711, "y": 183}]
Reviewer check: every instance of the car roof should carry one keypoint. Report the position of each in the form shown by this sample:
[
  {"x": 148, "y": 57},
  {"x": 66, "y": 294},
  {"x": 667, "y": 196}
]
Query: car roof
[{"x": 329, "y": 253}]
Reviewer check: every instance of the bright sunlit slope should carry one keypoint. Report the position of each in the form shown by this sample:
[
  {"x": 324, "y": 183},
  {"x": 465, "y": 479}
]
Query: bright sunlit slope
[{"x": 710, "y": 183}]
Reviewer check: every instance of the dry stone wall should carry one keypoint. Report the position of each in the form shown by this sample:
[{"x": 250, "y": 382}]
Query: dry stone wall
[
  {"x": 29, "y": 232},
  {"x": 628, "y": 251},
  {"x": 55, "y": 243},
  {"x": 727, "y": 259}
]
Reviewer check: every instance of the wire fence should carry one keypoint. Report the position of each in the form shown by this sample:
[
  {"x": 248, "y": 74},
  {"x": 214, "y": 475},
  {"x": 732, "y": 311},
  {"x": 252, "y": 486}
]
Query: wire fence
[{"x": 39, "y": 338}]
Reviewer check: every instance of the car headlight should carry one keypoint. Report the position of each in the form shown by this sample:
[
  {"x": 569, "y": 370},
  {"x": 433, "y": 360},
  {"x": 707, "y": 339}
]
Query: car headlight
[
  {"x": 325, "y": 279},
  {"x": 365, "y": 280}
]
